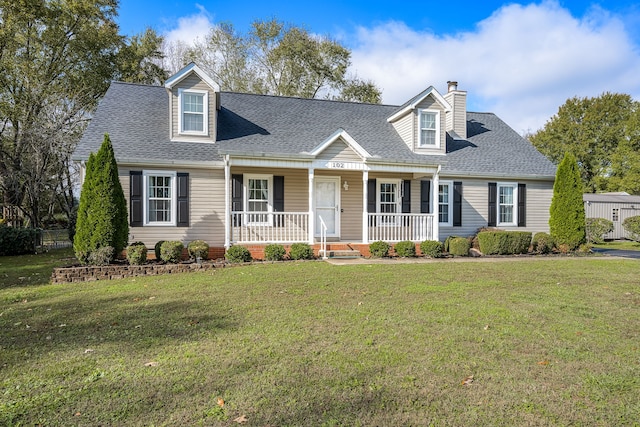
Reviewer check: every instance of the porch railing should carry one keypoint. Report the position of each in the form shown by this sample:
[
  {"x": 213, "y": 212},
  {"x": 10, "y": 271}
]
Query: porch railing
[
  {"x": 396, "y": 227},
  {"x": 269, "y": 227}
]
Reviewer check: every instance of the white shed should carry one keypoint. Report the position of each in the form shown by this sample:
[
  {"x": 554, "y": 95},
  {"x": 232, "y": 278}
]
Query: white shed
[{"x": 615, "y": 207}]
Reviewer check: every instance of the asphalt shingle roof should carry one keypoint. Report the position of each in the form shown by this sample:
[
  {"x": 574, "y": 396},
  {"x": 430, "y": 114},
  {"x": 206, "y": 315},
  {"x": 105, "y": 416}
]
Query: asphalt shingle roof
[{"x": 136, "y": 119}]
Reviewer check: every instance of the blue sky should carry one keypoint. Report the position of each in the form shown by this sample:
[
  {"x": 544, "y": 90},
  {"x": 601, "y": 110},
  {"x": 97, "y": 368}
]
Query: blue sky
[{"x": 520, "y": 60}]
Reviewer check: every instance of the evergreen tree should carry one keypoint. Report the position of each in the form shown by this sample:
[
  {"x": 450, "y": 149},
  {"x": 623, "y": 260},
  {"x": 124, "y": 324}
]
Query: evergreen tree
[
  {"x": 567, "y": 220},
  {"x": 102, "y": 214}
]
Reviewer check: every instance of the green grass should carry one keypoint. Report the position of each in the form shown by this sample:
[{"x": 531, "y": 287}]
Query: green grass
[
  {"x": 548, "y": 342},
  {"x": 627, "y": 245},
  {"x": 32, "y": 270}
]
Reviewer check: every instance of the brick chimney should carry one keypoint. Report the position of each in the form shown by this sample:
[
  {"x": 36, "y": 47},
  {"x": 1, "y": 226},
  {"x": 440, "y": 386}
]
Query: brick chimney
[{"x": 456, "y": 119}]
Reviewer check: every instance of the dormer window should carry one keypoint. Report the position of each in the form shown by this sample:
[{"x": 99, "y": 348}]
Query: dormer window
[
  {"x": 429, "y": 129},
  {"x": 193, "y": 112}
]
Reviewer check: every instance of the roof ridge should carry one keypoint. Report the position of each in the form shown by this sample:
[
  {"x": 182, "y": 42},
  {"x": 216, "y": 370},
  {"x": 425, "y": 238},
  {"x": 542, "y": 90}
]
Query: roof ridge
[{"x": 307, "y": 99}]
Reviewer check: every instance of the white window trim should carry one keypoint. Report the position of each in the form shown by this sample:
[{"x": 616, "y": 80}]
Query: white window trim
[
  {"x": 438, "y": 136},
  {"x": 450, "y": 210},
  {"x": 145, "y": 193},
  {"x": 398, "y": 183},
  {"x": 205, "y": 111},
  {"x": 245, "y": 198},
  {"x": 513, "y": 185}
]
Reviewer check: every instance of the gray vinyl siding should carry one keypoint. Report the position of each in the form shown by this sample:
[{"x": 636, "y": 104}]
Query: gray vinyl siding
[
  {"x": 206, "y": 210},
  {"x": 339, "y": 151},
  {"x": 457, "y": 118},
  {"x": 296, "y": 185},
  {"x": 193, "y": 82},
  {"x": 475, "y": 206},
  {"x": 405, "y": 127}
]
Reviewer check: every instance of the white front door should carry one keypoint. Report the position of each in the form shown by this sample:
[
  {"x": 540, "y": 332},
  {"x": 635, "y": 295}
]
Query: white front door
[{"x": 327, "y": 206}]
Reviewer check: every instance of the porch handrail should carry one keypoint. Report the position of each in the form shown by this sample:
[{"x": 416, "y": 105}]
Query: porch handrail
[
  {"x": 323, "y": 237},
  {"x": 269, "y": 227},
  {"x": 396, "y": 227}
]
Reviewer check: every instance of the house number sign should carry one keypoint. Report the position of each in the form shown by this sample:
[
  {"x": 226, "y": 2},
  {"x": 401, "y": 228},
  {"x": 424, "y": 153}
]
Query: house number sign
[{"x": 337, "y": 165}]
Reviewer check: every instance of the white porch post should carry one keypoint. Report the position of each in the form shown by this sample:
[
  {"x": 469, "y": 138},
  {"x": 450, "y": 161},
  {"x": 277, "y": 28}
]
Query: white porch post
[
  {"x": 312, "y": 216},
  {"x": 365, "y": 214},
  {"x": 435, "y": 202},
  {"x": 227, "y": 203}
]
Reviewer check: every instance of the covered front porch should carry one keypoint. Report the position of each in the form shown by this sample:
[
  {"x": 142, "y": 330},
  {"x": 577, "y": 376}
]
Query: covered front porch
[{"x": 329, "y": 203}]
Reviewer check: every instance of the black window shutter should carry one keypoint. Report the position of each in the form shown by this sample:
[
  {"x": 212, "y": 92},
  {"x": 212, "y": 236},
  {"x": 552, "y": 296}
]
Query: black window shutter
[
  {"x": 278, "y": 199},
  {"x": 493, "y": 195},
  {"x": 406, "y": 196},
  {"x": 183, "y": 199},
  {"x": 425, "y": 196},
  {"x": 237, "y": 204},
  {"x": 371, "y": 199},
  {"x": 457, "y": 204},
  {"x": 135, "y": 199},
  {"x": 522, "y": 205}
]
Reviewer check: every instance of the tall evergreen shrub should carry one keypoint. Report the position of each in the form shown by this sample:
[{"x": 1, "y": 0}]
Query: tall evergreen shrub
[
  {"x": 102, "y": 214},
  {"x": 567, "y": 219}
]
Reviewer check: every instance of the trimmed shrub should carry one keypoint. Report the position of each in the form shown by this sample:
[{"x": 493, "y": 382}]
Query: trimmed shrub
[
  {"x": 405, "y": 249},
  {"x": 274, "y": 252},
  {"x": 632, "y": 226},
  {"x": 379, "y": 249},
  {"x": 542, "y": 243},
  {"x": 431, "y": 248},
  {"x": 301, "y": 251},
  {"x": 137, "y": 253},
  {"x": 504, "y": 242},
  {"x": 567, "y": 219},
  {"x": 156, "y": 249},
  {"x": 459, "y": 246},
  {"x": 238, "y": 254},
  {"x": 596, "y": 228},
  {"x": 198, "y": 249},
  {"x": 17, "y": 241},
  {"x": 171, "y": 251},
  {"x": 102, "y": 214},
  {"x": 101, "y": 256}
]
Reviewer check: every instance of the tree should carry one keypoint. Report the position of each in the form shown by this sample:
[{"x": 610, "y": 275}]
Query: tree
[
  {"x": 278, "y": 59},
  {"x": 593, "y": 129},
  {"x": 57, "y": 59},
  {"x": 102, "y": 214},
  {"x": 140, "y": 60},
  {"x": 567, "y": 218}
]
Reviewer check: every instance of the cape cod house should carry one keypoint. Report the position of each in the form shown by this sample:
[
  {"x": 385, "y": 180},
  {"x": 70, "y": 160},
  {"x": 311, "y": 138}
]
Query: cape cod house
[{"x": 233, "y": 168}]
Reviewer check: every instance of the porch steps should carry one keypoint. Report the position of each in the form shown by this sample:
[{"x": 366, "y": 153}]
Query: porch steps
[{"x": 343, "y": 253}]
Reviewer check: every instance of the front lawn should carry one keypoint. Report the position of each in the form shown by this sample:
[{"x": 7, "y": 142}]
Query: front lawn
[
  {"x": 627, "y": 245},
  {"x": 552, "y": 341}
]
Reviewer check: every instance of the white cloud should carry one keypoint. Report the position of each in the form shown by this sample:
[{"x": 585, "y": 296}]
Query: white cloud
[
  {"x": 191, "y": 27},
  {"x": 521, "y": 63}
]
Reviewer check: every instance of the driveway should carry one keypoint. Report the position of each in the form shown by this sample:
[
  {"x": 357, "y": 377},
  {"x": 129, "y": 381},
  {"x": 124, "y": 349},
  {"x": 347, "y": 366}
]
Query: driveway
[{"x": 618, "y": 253}]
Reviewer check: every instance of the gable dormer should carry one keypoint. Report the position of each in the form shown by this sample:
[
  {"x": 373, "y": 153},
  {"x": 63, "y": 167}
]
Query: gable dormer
[
  {"x": 421, "y": 122},
  {"x": 193, "y": 102}
]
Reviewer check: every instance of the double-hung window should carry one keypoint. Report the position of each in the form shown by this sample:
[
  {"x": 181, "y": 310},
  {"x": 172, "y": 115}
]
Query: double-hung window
[
  {"x": 429, "y": 128},
  {"x": 445, "y": 199},
  {"x": 388, "y": 200},
  {"x": 259, "y": 198},
  {"x": 160, "y": 197},
  {"x": 193, "y": 112},
  {"x": 507, "y": 196}
]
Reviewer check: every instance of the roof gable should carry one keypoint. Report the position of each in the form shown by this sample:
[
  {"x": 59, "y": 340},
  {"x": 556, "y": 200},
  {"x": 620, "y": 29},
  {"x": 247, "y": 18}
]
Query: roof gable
[
  {"x": 413, "y": 103},
  {"x": 185, "y": 72},
  {"x": 341, "y": 134}
]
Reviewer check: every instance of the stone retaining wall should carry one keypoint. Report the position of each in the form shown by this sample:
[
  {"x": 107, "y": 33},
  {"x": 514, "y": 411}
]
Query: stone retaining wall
[{"x": 108, "y": 272}]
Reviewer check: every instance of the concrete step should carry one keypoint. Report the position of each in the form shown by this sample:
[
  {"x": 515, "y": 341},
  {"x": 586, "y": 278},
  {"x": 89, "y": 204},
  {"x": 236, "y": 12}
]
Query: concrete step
[{"x": 343, "y": 253}]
